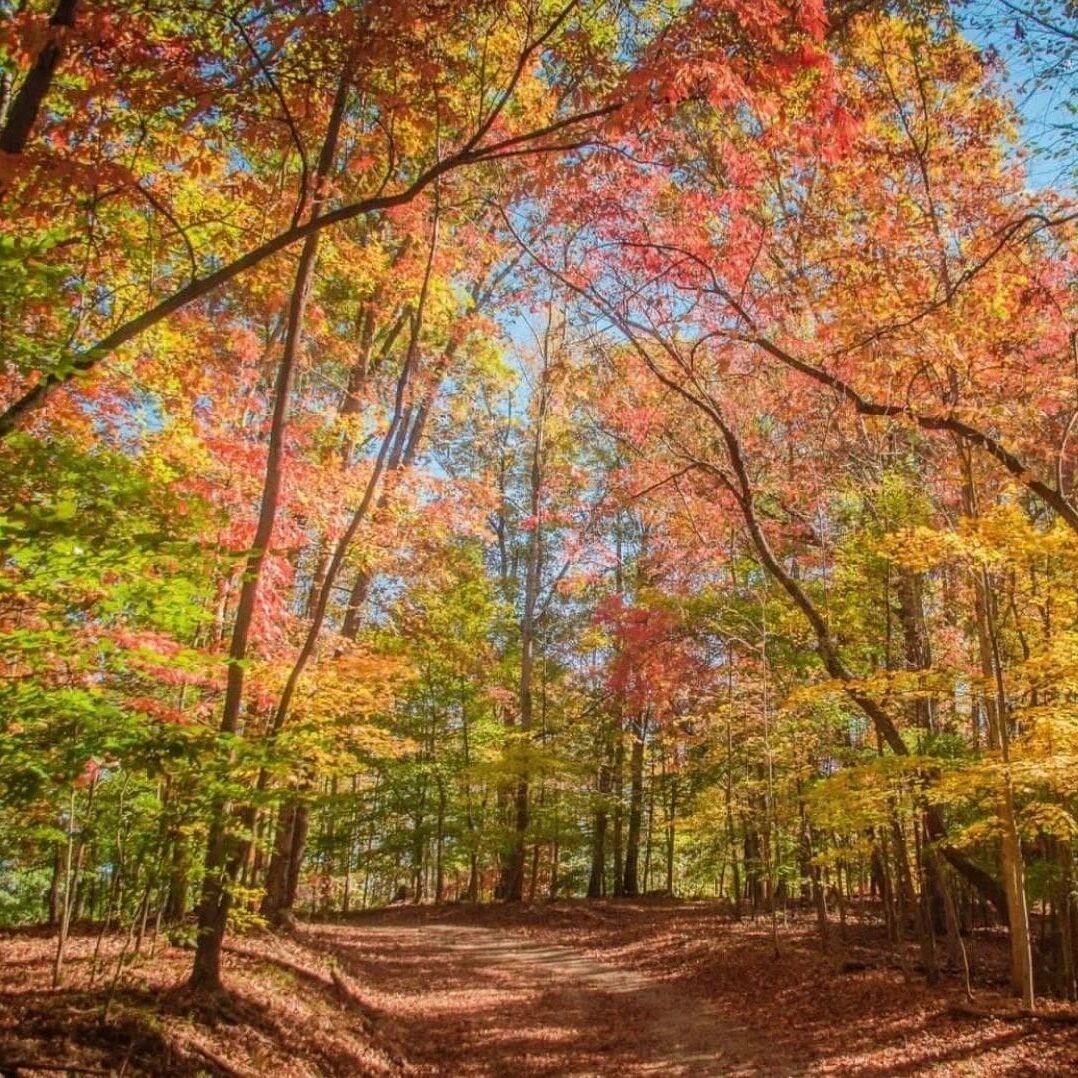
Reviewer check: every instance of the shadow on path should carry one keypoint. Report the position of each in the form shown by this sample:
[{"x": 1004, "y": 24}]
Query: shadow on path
[{"x": 478, "y": 1001}]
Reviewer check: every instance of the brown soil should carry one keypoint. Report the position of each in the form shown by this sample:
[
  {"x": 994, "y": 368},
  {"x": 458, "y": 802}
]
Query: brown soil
[
  {"x": 626, "y": 988},
  {"x": 471, "y": 1000}
]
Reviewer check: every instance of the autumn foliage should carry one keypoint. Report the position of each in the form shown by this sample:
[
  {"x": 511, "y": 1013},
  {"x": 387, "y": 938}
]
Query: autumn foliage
[{"x": 502, "y": 451}]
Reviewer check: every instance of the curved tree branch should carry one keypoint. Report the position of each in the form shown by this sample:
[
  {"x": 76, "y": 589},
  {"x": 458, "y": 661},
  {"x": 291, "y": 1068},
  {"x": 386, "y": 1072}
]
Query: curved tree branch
[{"x": 91, "y": 357}]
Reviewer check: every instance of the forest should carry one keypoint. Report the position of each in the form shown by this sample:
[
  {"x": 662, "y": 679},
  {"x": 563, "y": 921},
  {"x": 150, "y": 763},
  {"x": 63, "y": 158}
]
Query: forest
[{"x": 567, "y": 502}]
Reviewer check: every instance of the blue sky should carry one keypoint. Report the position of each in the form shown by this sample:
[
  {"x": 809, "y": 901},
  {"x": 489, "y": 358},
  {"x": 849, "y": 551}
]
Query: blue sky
[{"x": 1047, "y": 105}]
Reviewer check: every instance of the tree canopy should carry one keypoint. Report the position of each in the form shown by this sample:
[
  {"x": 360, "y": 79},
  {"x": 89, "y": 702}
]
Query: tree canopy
[{"x": 494, "y": 451}]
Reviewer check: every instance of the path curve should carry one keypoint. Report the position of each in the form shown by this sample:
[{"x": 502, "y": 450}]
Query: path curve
[{"x": 462, "y": 1000}]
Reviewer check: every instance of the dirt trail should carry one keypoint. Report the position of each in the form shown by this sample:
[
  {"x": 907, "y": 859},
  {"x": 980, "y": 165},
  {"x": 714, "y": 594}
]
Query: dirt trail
[{"x": 462, "y": 1000}]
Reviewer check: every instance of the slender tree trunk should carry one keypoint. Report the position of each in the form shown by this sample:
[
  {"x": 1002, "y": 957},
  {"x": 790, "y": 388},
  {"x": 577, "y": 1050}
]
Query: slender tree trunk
[
  {"x": 652, "y": 792},
  {"x": 754, "y": 871},
  {"x": 812, "y": 874},
  {"x": 630, "y": 886},
  {"x": 73, "y": 857},
  {"x": 225, "y": 852},
  {"x": 439, "y": 848},
  {"x": 469, "y": 811},
  {"x": 1068, "y": 908},
  {"x": 513, "y": 872},
  {"x": 926, "y": 928},
  {"x": 597, "y": 879},
  {"x": 671, "y": 833},
  {"x": 178, "y": 883},
  {"x": 997, "y": 711},
  {"x": 917, "y": 645},
  {"x": 619, "y": 812},
  {"x": 295, "y": 853},
  {"x": 881, "y": 880},
  {"x": 55, "y": 885},
  {"x": 728, "y": 791}
]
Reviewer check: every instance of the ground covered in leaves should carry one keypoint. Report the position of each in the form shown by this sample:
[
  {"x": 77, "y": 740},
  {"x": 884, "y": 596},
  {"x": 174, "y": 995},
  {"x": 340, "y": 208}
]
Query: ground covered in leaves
[
  {"x": 655, "y": 987},
  {"x": 289, "y": 1012}
]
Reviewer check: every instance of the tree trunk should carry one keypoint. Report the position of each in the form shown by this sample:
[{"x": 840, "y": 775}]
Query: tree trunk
[
  {"x": 1068, "y": 908},
  {"x": 274, "y": 900},
  {"x": 619, "y": 813},
  {"x": 630, "y": 886},
  {"x": 178, "y": 883},
  {"x": 671, "y": 834},
  {"x": 917, "y": 645},
  {"x": 24, "y": 109},
  {"x": 439, "y": 848},
  {"x": 225, "y": 852},
  {"x": 597, "y": 879},
  {"x": 53, "y": 896},
  {"x": 513, "y": 871}
]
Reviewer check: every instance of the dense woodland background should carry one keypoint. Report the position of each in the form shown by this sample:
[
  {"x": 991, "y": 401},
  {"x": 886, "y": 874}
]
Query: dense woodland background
[{"x": 499, "y": 451}]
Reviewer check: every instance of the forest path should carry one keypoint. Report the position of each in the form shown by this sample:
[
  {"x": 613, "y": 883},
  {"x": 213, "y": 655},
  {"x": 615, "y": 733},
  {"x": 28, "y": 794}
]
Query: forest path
[{"x": 462, "y": 1000}]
